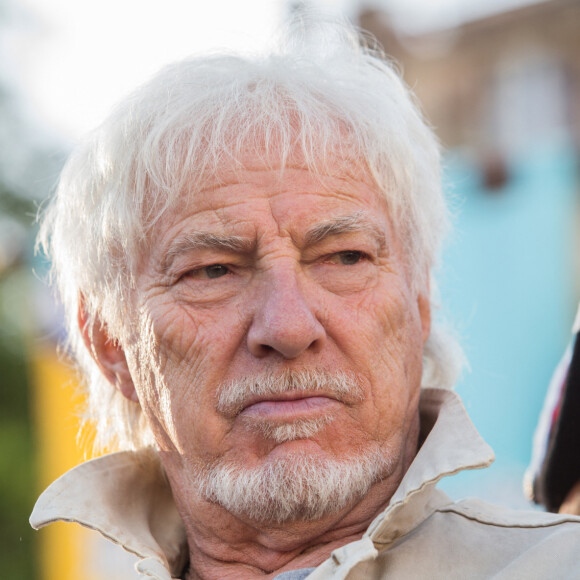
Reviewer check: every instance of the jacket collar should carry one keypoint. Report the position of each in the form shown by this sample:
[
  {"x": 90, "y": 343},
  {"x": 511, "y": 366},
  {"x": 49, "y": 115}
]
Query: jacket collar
[
  {"x": 451, "y": 444},
  {"x": 126, "y": 497}
]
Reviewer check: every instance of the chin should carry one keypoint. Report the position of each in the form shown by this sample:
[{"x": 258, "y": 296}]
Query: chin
[{"x": 294, "y": 485}]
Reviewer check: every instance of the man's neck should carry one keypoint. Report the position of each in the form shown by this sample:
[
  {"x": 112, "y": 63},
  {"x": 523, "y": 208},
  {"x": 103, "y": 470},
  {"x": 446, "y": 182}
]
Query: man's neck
[
  {"x": 224, "y": 546},
  {"x": 227, "y": 546}
]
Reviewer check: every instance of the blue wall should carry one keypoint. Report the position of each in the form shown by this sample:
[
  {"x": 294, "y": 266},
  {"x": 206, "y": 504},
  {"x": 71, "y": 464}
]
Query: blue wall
[{"x": 509, "y": 286}]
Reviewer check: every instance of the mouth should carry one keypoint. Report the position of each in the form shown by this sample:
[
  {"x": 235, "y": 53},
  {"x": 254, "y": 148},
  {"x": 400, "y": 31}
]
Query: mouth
[
  {"x": 292, "y": 407},
  {"x": 288, "y": 396}
]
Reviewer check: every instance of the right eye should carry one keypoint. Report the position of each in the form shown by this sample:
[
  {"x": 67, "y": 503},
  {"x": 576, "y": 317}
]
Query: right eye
[{"x": 208, "y": 272}]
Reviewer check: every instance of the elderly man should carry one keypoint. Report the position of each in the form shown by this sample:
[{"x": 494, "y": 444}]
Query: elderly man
[{"x": 244, "y": 252}]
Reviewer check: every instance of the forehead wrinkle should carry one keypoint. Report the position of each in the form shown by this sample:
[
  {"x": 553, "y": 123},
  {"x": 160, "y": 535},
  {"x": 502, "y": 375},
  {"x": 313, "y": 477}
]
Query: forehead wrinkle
[
  {"x": 193, "y": 241},
  {"x": 357, "y": 222}
]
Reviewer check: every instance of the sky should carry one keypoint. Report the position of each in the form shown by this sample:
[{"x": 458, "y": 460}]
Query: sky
[{"x": 72, "y": 60}]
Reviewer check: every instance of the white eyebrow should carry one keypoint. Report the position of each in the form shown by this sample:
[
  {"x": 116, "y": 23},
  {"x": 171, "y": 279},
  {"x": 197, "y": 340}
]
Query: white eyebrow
[
  {"x": 193, "y": 241},
  {"x": 357, "y": 222},
  {"x": 205, "y": 241}
]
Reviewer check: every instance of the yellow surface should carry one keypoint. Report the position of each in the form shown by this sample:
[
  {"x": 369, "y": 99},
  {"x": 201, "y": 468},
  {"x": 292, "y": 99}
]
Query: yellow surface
[{"x": 63, "y": 546}]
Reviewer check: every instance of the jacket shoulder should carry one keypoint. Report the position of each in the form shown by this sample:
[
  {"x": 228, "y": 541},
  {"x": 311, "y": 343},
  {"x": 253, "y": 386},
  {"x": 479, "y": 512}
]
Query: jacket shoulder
[{"x": 486, "y": 513}]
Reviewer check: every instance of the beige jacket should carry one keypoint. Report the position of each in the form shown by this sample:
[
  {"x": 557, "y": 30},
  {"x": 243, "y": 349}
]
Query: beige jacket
[{"x": 422, "y": 533}]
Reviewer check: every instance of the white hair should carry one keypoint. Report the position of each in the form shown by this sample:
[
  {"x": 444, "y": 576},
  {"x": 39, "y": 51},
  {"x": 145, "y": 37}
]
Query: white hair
[{"x": 328, "y": 103}]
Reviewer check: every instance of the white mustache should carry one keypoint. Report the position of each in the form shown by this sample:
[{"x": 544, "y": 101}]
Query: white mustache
[{"x": 233, "y": 396}]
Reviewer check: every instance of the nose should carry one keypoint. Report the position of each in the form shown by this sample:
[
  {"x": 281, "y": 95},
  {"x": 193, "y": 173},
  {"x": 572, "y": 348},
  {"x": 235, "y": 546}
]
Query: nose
[{"x": 284, "y": 322}]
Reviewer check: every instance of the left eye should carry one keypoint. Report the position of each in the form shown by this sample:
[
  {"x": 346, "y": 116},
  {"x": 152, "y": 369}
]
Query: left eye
[
  {"x": 216, "y": 270},
  {"x": 349, "y": 258}
]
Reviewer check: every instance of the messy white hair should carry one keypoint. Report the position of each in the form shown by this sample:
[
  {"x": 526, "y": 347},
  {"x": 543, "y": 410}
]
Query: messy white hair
[{"x": 321, "y": 101}]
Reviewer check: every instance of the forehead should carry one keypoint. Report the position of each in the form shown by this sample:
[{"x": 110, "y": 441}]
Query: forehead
[{"x": 294, "y": 194}]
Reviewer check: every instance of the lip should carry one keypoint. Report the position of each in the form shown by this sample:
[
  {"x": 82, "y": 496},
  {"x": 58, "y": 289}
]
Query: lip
[{"x": 289, "y": 407}]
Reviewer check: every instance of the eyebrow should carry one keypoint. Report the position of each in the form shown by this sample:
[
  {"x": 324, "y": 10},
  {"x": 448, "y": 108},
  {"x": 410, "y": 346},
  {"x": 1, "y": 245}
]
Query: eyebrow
[
  {"x": 205, "y": 241},
  {"x": 193, "y": 241},
  {"x": 357, "y": 222}
]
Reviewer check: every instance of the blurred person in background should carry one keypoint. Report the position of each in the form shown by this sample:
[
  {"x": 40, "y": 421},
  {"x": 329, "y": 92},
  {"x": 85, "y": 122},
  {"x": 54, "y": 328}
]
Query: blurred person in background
[
  {"x": 244, "y": 251},
  {"x": 553, "y": 478}
]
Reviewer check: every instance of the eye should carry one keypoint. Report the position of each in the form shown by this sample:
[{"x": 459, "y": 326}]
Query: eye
[
  {"x": 348, "y": 258},
  {"x": 216, "y": 270},
  {"x": 208, "y": 272}
]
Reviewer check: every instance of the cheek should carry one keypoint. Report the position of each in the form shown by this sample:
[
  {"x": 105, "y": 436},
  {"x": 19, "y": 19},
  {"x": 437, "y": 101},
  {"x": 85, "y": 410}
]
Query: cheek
[
  {"x": 191, "y": 341},
  {"x": 385, "y": 321},
  {"x": 398, "y": 343},
  {"x": 179, "y": 359},
  {"x": 381, "y": 334}
]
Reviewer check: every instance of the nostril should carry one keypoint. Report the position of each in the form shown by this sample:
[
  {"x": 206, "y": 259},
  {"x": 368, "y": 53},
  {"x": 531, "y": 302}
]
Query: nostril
[
  {"x": 285, "y": 322},
  {"x": 289, "y": 345},
  {"x": 263, "y": 350},
  {"x": 316, "y": 345}
]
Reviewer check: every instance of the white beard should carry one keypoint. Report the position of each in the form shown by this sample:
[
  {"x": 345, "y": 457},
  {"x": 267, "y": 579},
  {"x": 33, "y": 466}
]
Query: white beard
[
  {"x": 282, "y": 432},
  {"x": 232, "y": 395},
  {"x": 297, "y": 486}
]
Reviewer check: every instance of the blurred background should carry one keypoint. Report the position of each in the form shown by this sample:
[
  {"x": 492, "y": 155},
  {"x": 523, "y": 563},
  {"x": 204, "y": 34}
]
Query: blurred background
[{"x": 500, "y": 83}]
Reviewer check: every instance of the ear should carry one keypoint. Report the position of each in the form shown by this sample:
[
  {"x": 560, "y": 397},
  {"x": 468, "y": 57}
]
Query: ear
[
  {"x": 107, "y": 353},
  {"x": 424, "y": 306}
]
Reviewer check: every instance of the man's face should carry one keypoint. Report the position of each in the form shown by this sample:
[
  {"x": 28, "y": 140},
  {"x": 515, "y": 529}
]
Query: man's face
[{"x": 271, "y": 275}]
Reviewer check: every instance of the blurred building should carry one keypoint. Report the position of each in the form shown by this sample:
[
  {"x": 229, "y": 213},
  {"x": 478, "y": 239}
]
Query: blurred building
[
  {"x": 503, "y": 94},
  {"x": 498, "y": 82}
]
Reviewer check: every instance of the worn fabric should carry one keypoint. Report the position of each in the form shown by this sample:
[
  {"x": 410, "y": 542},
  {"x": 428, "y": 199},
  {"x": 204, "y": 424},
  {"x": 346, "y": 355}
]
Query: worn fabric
[
  {"x": 294, "y": 574},
  {"x": 421, "y": 534}
]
